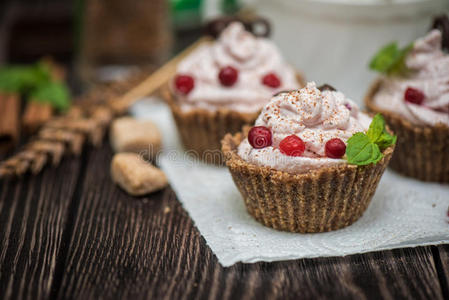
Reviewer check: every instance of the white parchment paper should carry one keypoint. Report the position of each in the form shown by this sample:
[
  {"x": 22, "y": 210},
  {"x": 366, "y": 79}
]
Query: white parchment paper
[{"x": 403, "y": 213}]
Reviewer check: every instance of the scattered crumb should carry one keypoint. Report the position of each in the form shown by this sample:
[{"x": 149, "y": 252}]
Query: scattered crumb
[{"x": 167, "y": 210}]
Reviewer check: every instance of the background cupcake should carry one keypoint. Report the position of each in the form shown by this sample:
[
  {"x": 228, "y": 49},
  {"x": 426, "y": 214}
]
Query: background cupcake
[
  {"x": 312, "y": 162},
  {"x": 223, "y": 85},
  {"x": 413, "y": 95}
]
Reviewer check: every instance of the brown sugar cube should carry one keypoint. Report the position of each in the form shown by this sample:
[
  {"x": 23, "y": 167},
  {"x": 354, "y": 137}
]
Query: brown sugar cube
[
  {"x": 136, "y": 176},
  {"x": 130, "y": 135}
]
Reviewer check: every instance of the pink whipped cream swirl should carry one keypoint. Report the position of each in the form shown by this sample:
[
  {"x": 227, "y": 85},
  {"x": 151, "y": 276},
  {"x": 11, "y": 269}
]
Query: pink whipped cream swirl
[
  {"x": 315, "y": 117},
  {"x": 253, "y": 57},
  {"x": 429, "y": 67}
]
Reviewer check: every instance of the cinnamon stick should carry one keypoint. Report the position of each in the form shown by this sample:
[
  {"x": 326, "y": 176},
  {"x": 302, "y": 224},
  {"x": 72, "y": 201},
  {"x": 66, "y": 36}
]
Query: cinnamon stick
[
  {"x": 9, "y": 120},
  {"x": 36, "y": 114}
]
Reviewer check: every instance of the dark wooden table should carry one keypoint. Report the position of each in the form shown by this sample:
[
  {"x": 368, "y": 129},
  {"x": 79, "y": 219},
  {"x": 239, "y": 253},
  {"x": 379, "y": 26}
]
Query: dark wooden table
[{"x": 70, "y": 233}]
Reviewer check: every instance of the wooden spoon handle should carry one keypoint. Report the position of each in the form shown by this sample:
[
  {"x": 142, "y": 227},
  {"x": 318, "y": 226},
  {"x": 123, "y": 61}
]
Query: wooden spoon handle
[{"x": 153, "y": 82}]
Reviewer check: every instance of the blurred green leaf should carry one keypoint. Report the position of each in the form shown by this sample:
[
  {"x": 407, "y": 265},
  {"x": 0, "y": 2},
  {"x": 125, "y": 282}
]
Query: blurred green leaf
[
  {"x": 390, "y": 59},
  {"x": 55, "y": 93},
  {"x": 35, "y": 82}
]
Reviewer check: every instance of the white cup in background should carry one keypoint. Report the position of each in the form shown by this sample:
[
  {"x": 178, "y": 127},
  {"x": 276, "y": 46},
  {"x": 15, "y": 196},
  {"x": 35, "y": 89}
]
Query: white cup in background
[{"x": 332, "y": 41}]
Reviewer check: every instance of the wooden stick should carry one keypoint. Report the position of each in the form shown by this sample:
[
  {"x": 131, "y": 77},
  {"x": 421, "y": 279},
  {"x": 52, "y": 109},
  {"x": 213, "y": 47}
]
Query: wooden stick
[
  {"x": 9, "y": 120},
  {"x": 154, "y": 81}
]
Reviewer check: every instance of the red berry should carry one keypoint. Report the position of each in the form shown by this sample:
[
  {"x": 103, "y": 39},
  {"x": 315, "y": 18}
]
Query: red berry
[
  {"x": 413, "y": 95},
  {"x": 259, "y": 137},
  {"x": 184, "y": 83},
  {"x": 228, "y": 76},
  {"x": 292, "y": 146},
  {"x": 335, "y": 148},
  {"x": 271, "y": 80}
]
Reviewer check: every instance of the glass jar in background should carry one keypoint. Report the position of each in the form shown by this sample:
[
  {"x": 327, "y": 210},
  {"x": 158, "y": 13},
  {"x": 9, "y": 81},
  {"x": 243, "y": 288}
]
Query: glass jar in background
[{"x": 115, "y": 35}]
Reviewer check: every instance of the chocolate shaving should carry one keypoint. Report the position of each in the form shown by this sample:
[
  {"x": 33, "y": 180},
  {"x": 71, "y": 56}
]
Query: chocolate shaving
[
  {"x": 327, "y": 87},
  {"x": 442, "y": 24},
  {"x": 283, "y": 92},
  {"x": 258, "y": 26}
]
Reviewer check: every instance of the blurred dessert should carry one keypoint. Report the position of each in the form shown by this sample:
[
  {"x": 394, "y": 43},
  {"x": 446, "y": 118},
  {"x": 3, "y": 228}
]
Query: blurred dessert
[
  {"x": 413, "y": 94},
  {"x": 222, "y": 86}
]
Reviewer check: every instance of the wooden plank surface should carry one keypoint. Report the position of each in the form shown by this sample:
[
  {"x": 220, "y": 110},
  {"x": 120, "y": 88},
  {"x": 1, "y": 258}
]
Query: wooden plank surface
[
  {"x": 122, "y": 247},
  {"x": 70, "y": 233},
  {"x": 441, "y": 254},
  {"x": 33, "y": 215}
]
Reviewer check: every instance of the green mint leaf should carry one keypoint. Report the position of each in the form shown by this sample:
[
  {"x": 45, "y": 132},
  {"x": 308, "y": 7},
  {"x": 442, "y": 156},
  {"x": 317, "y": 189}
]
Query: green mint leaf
[
  {"x": 360, "y": 150},
  {"x": 39, "y": 74},
  {"x": 390, "y": 59},
  {"x": 36, "y": 83},
  {"x": 376, "y": 128},
  {"x": 20, "y": 79},
  {"x": 377, "y": 154},
  {"x": 385, "y": 58},
  {"x": 13, "y": 79},
  {"x": 363, "y": 149},
  {"x": 378, "y": 133},
  {"x": 399, "y": 67},
  {"x": 55, "y": 93},
  {"x": 386, "y": 140}
]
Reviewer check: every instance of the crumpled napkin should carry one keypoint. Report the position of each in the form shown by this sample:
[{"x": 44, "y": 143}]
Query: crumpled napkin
[{"x": 403, "y": 213}]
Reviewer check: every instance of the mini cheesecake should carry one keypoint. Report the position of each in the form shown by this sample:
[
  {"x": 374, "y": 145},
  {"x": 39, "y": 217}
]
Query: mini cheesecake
[
  {"x": 311, "y": 163},
  {"x": 223, "y": 85},
  {"x": 415, "y": 102}
]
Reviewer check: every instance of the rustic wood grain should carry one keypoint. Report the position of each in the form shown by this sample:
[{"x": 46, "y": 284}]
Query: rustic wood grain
[
  {"x": 441, "y": 254},
  {"x": 124, "y": 247},
  {"x": 70, "y": 233},
  {"x": 33, "y": 215}
]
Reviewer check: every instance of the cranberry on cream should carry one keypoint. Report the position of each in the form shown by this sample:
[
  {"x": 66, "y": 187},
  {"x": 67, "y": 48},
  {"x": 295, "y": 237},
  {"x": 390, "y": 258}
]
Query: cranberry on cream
[
  {"x": 229, "y": 73},
  {"x": 422, "y": 96},
  {"x": 314, "y": 117}
]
